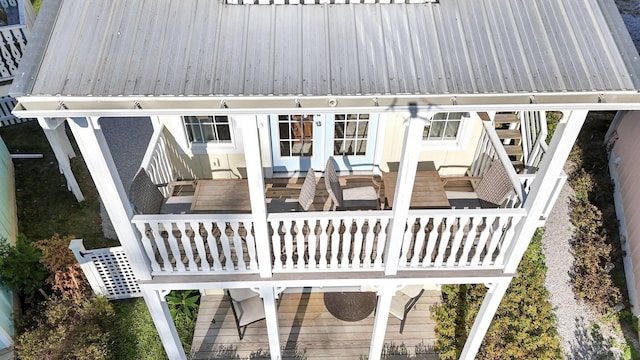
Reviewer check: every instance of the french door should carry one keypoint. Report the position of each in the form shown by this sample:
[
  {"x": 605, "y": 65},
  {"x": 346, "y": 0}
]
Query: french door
[{"x": 300, "y": 142}]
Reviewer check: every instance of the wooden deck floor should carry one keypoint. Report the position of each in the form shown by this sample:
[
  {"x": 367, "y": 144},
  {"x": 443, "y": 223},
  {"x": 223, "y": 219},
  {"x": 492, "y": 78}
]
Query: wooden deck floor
[{"x": 309, "y": 331}]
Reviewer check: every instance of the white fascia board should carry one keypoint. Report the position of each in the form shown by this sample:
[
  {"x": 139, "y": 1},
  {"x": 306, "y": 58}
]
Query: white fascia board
[{"x": 79, "y": 106}]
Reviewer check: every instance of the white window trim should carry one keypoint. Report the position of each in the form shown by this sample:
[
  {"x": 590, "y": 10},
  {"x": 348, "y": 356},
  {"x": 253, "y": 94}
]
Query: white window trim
[
  {"x": 457, "y": 144},
  {"x": 234, "y": 146}
]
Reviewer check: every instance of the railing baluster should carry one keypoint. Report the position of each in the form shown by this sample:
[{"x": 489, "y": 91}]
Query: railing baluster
[
  {"x": 186, "y": 245},
  {"x": 300, "y": 240},
  {"x": 251, "y": 246},
  {"x": 212, "y": 243},
  {"x": 498, "y": 231},
  {"x": 346, "y": 238},
  {"x": 381, "y": 240},
  {"x": 445, "y": 239},
  {"x": 469, "y": 240},
  {"x": 358, "y": 239},
  {"x": 484, "y": 235},
  {"x": 406, "y": 241},
  {"x": 148, "y": 247},
  {"x": 173, "y": 244},
  {"x": 238, "y": 246},
  {"x": 324, "y": 242},
  {"x": 225, "y": 241},
  {"x": 276, "y": 244},
  {"x": 200, "y": 249},
  {"x": 312, "y": 239},
  {"x": 368, "y": 246},
  {"x": 432, "y": 240},
  {"x": 419, "y": 243},
  {"x": 457, "y": 239},
  {"x": 335, "y": 244},
  {"x": 288, "y": 243}
]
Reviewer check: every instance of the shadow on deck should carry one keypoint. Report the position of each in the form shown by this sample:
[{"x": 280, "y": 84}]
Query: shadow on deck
[{"x": 308, "y": 331}]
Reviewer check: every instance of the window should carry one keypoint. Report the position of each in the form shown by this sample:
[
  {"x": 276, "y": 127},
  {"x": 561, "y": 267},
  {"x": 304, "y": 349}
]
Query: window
[
  {"x": 208, "y": 129},
  {"x": 296, "y": 135},
  {"x": 444, "y": 127},
  {"x": 351, "y": 132}
]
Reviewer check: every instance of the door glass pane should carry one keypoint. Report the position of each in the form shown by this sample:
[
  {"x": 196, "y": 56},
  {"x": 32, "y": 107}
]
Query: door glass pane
[
  {"x": 296, "y": 135},
  {"x": 350, "y": 135}
]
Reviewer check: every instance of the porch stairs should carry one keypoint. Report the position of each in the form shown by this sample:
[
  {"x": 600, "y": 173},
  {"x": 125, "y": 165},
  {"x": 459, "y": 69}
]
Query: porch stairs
[{"x": 507, "y": 126}]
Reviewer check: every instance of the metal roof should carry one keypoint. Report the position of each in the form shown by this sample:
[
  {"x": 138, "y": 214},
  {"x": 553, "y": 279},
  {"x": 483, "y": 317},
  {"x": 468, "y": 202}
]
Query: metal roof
[{"x": 204, "y": 48}]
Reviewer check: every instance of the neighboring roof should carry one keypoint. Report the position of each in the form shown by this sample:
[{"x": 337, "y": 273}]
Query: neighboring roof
[{"x": 202, "y": 47}]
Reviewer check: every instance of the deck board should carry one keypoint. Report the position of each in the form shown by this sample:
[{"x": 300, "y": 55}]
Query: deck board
[{"x": 307, "y": 330}]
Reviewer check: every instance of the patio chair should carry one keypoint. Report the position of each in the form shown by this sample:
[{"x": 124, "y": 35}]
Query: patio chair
[
  {"x": 492, "y": 191},
  {"x": 304, "y": 200},
  {"x": 247, "y": 309},
  {"x": 146, "y": 198},
  {"x": 363, "y": 197},
  {"x": 403, "y": 301}
]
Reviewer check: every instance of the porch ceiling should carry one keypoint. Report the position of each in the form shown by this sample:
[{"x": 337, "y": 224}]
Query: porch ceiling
[{"x": 202, "y": 48}]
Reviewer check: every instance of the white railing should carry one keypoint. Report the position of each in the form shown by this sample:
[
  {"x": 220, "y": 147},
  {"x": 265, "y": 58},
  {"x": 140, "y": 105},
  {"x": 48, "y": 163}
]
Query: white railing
[
  {"x": 326, "y": 241},
  {"x": 527, "y": 180},
  {"x": 163, "y": 162},
  {"x": 14, "y": 41},
  {"x": 533, "y": 126}
]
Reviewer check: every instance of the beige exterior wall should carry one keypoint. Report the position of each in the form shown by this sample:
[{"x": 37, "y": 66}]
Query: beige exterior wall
[
  {"x": 448, "y": 160},
  {"x": 626, "y": 150}
]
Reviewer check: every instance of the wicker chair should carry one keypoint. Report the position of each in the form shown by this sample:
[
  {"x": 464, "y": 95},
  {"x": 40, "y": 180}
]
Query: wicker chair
[
  {"x": 363, "y": 197},
  {"x": 304, "y": 200},
  {"x": 146, "y": 198},
  {"x": 492, "y": 191}
]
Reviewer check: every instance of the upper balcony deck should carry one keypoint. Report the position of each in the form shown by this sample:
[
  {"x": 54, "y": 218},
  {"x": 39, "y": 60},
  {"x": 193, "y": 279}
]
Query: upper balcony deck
[{"x": 220, "y": 241}]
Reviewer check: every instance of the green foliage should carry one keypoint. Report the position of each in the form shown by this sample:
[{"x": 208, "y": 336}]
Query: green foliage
[
  {"x": 68, "y": 329},
  {"x": 183, "y": 302},
  {"x": 133, "y": 332},
  {"x": 20, "y": 267},
  {"x": 553, "y": 117},
  {"x": 524, "y": 325}
]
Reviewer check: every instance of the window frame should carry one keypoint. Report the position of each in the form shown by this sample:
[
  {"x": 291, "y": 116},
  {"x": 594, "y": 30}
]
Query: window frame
[
  {"x": 449, "y": 144},
  {"x": 206, "y": 147}
]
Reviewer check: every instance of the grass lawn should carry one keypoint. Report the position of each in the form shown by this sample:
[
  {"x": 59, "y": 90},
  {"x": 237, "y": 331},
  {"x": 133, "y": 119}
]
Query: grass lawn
[{"x": 46, "y": 207}]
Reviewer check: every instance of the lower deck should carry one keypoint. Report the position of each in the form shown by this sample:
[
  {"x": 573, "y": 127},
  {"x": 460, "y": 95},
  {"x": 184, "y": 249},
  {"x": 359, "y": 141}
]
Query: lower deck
[{"x": 308, "y": 331}]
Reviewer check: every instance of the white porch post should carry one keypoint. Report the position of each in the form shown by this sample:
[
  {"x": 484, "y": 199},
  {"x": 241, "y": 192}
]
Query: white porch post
[
  {"x": 161, "y": 316},
  {"x": 543, "y": 185},
  {"x": 97, "y": 156},
  {"x": 404, "y": 188},
  {"x": 385, "y": 294},
  {"x": 255, "y": 178},
  {"x": 483, "y": 320},
  {"x": 269, "y": 296},
  {"x": 62, "y": 149}
]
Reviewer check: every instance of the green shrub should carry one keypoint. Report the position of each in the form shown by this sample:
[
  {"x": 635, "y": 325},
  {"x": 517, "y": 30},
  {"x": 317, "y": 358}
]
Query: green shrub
[
  {"x": 20, "y": 268},
  {"x": 68, "y": 329},
  {"x": 524, "y": 324},
  {"x": 133, "y": 332}
]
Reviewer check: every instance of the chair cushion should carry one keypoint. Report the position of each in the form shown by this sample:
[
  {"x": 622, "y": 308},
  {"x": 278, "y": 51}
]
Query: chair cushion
[
  {"x": 250, "y": 310},
  {"x": 242, "y": 294},
  {"x": 360, "y": 193},
  {"x": 411, "y": 290},
  {"x": 398, "y": 302}
]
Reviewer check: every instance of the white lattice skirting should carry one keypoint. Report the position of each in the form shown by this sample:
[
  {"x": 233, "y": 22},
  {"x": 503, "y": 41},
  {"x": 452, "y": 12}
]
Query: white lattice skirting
[{"x": 108, "y": 271}]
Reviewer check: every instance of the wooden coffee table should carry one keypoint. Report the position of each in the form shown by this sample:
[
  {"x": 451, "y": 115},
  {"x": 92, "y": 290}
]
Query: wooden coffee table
[{"x": 428, "y": 191}]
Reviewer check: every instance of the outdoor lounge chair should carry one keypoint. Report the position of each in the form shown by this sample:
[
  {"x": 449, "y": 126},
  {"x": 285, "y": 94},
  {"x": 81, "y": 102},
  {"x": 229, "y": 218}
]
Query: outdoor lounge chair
[
  {"x": 247, "y": 307},
  {"x": 363, "y": 197},
  {"x": 146, "y": 197},
  {"x": 403, "y": 301},
  {"x": 304, "y": 200},
  {"x": 492, "y": 191}
]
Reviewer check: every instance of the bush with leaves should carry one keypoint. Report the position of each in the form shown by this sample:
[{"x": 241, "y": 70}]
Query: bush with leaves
[
  {"x": 183, "y": 306},
  {"x": 65, "y": 274},
  {"x": 524, "y": 324},
  {"x": 68, "y": 329},
  {"x": 20, "y": 268}
]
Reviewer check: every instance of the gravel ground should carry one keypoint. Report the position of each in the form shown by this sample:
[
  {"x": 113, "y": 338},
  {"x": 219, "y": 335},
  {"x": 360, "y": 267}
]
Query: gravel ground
[{"x": 583, "y": 336}]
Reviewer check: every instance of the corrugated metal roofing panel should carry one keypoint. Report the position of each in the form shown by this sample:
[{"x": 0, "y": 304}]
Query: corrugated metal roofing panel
[{"x": 201, "y": 47}]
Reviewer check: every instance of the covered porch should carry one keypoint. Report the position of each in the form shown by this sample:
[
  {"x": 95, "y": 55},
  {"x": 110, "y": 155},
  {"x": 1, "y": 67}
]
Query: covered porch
[{"x": 308, "y": 331}]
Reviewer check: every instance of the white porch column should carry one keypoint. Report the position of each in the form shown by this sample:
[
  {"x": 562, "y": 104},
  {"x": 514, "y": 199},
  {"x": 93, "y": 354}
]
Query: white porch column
[
  {"x": 483, "y": 320},
  {"x": 404, "y": 188},
  {"x": 255, "y": 178},
  {"x": 161, "y": 316},
  {"x": 385, "y": 294},
  {"x": 269, "y": 297},
  {"x": 543, "y": 185},
  {"x": 97, "y": 156},
  {"x": 62, "y": 149}
]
